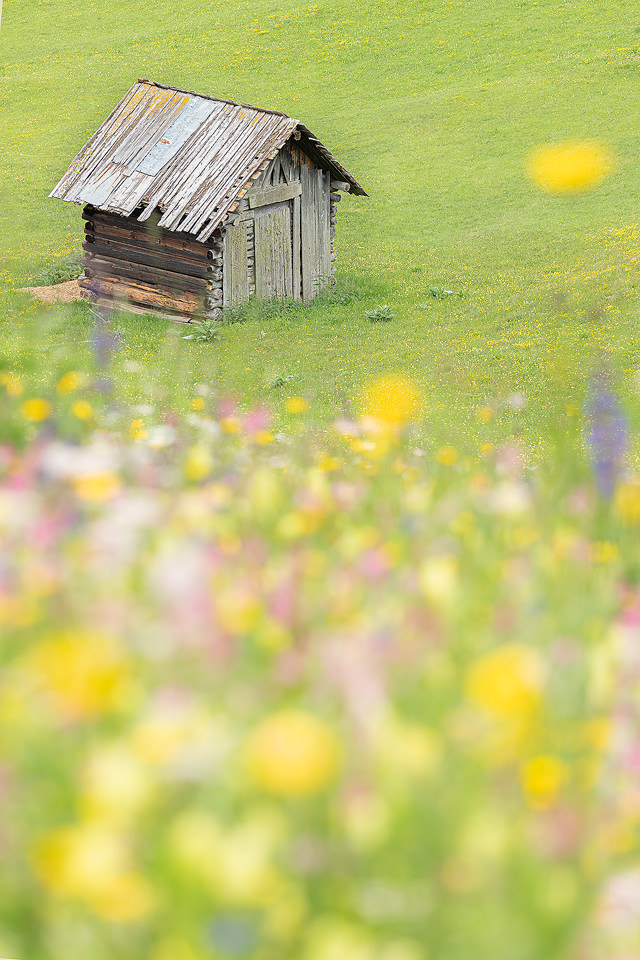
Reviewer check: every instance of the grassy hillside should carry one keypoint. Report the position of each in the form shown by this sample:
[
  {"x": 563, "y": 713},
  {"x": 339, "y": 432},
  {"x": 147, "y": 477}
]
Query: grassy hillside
[
  {"x": 435, "y": 108},
  {"x": 320, "y": 685}
]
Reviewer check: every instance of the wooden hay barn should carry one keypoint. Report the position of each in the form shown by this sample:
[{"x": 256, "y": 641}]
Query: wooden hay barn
[{"x": 193, "y": 203}]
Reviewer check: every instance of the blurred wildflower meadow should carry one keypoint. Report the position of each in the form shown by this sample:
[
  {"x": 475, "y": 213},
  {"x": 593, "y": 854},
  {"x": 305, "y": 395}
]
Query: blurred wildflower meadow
[{"x": 322, "y": 641}]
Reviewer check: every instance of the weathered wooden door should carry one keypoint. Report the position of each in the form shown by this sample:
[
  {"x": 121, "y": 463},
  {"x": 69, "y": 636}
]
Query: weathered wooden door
[{"x": 273, "y": 247}]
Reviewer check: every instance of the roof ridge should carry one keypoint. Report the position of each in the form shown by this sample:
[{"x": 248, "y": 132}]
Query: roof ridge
[{"x": 208, "y": 96}]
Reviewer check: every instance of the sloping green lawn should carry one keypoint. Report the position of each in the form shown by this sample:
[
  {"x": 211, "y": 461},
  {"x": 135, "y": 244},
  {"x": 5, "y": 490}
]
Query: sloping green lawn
[{"x": 435, "y": 108}]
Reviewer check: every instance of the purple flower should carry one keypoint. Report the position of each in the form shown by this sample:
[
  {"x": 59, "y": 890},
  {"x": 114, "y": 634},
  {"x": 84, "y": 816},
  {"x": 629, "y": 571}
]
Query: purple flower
[
  {"x": 607, "y": 433},
  {"x": 103, "y": 343}
]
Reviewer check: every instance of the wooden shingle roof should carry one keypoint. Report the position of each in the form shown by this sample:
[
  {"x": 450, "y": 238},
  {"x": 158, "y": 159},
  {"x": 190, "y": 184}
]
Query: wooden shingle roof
[{"x": 186, "y": 154}]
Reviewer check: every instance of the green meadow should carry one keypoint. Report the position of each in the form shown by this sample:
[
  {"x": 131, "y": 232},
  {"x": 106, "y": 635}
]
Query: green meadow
[
  {"x": 319, "y": 640},
  {"x": 435, "y": 108}
]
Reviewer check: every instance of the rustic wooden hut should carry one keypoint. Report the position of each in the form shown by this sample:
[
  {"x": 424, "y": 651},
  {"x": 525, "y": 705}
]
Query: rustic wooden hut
[{"x": 193, "y": 203}]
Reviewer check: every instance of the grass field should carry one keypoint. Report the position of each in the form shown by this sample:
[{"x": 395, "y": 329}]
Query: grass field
[
  {"x": 435, "y": 108},
  {"x": 281, "y": 680}
]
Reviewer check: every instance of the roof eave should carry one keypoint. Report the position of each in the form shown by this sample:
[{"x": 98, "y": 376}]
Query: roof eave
[{"x": 330, "y": 161}]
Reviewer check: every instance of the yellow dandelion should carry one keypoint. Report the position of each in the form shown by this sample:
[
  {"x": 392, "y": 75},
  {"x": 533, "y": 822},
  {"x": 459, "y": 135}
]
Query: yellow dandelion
[
  {"x": 263, "y": 437},
  {"x": 197, "y": 463},
  {"x": 137, "y": 430},
  {"x": 292, "y": 753},
  {"x": 69, "y": 382},
  {"x": 570, "y": 167},
  {"x": 92, "y": 863},
  {"x": 97, "y": 487},
  {"x": 82, "y": 409},
  {"x": 447, "y": 456},
  {"x": 541, "y": 779},
  {"x": 197, "y": 404},
  {"x": 36, "y": 409},
  {"x": 507, "y": 682},
  {"x": 627, "y": 504},
  {"x": 82, "y": 674},
  {"x": 296, "y": 405},
  {"x": 11, "y": 384},
  {"x": 392, "y": 401}
]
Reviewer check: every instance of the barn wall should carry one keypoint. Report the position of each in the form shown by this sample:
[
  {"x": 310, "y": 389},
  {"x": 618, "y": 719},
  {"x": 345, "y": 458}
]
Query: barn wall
[
  {"x": 141, "y": 265},
  {"x": 255, "y": 261}
]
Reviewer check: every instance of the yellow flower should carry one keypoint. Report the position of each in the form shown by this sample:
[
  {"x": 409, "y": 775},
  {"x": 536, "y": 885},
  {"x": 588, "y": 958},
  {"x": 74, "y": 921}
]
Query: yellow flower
[
  {"x": 404, "y": 748},
  {"x": 127, "y": 898},
  {"x": 237, "y": 609},
  {"x": 603, "y": 552},
  {"x": 541, "y": 779},
  {"x": 197, "y": 404},
  {"x": 11, "y": 384},
  {"x": 83, "y": 674},
  {"x": 447, "y": 456},
  {"x": 392, "y": 401},
  {"x": 115, "y": 784},
  {"x": 230, "y": 424},
  {"x": 327, "y": 464},
  {"x": 69, "y": 382},
  {"x": 507, "y": 682},
  {"x": 627, "y": 504},
  {"x": 292, "y": 753},
  {"x": 263, "y": 437},
  {"x": 569, "y": 167},
  {"x": 264, "y": 492},
  {"x": 438, "y": 578},
  {"x": 197, "y": 463},
  {"x": 235, "y": 863},
  {"x": 36, "y": 409},
  {"x": 137, "y": 430},
  {"x": 97, "y": 486},
  {"x": 297, "y": 405},
  {"x": 92, "y": 863},
  {"x": 332, "y": 937},
  {"x": 76, "y": 860},
  {"x": 82, "y": 409}
]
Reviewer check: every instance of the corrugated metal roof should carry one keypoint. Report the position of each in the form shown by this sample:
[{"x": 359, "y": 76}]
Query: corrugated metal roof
[{"x": 187, "y": 154}]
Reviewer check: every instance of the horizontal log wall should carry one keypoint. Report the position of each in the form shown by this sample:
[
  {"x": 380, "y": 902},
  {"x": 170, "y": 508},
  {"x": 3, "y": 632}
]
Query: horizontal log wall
[{"x": 140, "y": 264}]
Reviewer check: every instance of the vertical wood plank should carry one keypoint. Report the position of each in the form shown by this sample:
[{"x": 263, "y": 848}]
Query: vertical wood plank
[
  {"x": 315, "y": 230},
  {"x": 307, "y": 234},
  {"x": 235, "y": 271},
  {"x": 324, "y": 226},
  {"x": 273, "y": 264},
  {"x": 295, "y": 249}
]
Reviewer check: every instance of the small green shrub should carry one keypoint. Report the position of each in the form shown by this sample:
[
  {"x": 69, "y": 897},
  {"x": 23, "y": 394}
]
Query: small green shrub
[
  {"x": 441, "y": 293},
  {"x": 60, "y": 271},
  {"x": 279, "y": 381},
  {"x": 207, "y": 331},
  {"x": 381, "y": 314}
]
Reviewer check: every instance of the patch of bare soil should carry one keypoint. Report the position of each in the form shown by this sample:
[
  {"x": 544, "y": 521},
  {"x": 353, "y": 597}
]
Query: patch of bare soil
[{"x": 58, "y": 293}]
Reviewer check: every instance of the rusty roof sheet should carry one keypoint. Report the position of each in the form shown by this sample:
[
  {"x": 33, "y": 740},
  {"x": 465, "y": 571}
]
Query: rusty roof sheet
[{"x": 187, "y": 154}]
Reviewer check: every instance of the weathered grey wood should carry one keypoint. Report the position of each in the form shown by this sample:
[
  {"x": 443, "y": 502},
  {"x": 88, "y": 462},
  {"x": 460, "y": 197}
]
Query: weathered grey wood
[
  {"x": 164, "y": 280},
  {"x": 296, "y": 252},
  {"x": 323, "y": 190},
  {"x": 283, "y": 191},
  {"x": 235, "y": 269},
  {"x": 98, "y": 246},
  {"x": 286, "y": 165},
  {"x": 274, "y": 273},
  {"x": 340, "y": 185},
  {"x": 315, "y": 231},
  {"x": 307, "y": 233}
]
